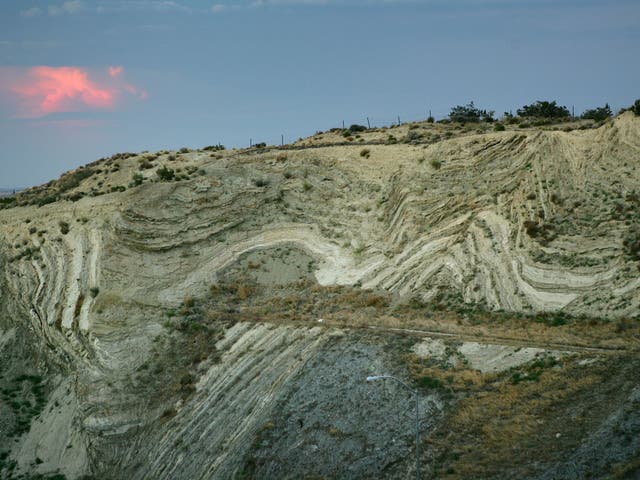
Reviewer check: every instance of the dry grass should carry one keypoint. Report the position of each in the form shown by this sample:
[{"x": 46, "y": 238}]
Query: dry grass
[
  {"x": 348, "y": 307},
  {"x": 498, "y": 420}
]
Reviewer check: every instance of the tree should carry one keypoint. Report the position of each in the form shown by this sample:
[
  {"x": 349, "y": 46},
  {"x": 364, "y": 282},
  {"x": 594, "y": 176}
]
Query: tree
[
  {"x": 636, "y": 107},
  {"x": 469, "y": 113},
  {"x": 598, "y": 114},
  {"x": 544, "y": 109}
]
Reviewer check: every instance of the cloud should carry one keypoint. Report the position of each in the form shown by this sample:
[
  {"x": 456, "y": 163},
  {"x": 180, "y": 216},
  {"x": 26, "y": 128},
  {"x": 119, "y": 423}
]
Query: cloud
[
  {"x": 69, "y": 7},
  {"x": 31, "y": 12},
  {"x": 140, "y": 93},
  {"x": 115, "y": 71},
  {"x": 158, "y": 6},
  {"x": 40, "y": 91}
]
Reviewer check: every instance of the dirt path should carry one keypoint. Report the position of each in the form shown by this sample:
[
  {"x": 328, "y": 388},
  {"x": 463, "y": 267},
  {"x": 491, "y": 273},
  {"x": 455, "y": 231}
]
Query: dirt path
[{"x": 499, "y": 340}]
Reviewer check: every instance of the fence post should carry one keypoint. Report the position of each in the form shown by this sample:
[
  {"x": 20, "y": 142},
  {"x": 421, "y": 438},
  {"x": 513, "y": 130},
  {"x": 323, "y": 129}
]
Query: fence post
[
  {"x": 398, "y": 119},
  {"x": 368, "y": 123}
]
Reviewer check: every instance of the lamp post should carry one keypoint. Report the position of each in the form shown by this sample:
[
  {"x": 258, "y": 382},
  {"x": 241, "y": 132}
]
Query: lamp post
[{"x": 415, "y": 393}]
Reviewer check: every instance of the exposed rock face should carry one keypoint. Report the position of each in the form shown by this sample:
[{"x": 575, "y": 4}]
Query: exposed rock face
[{"x": 519, "y": 221}]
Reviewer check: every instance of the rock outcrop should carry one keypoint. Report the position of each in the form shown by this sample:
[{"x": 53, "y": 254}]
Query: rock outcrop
[{"x": 517, "y": 221}]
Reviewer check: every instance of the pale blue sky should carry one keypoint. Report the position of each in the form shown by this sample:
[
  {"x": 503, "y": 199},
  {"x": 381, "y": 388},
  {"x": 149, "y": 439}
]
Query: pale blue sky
[{"x": 197, "y": 73}]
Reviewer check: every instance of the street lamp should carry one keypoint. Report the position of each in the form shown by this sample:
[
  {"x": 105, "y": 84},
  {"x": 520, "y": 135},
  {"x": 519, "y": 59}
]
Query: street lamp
[{"x": 415, "y": 392}]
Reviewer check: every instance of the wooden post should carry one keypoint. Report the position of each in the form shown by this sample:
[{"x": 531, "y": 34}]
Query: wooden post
[
  {"x": 398, "y": 119},
  {"x": 250, "y": 142},
  {"x": 282, "y": 140},
  {"x": 368, "y": 123},
  {"x": 343, "y": 124}
]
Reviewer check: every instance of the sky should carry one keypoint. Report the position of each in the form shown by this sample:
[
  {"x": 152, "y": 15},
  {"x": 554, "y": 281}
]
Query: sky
[{"x": 81, "y": 79}]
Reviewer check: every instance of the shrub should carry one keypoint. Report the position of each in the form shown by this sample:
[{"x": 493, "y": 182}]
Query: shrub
[
  {"x": 73, "y": 179},
  {"x": 165, "y": 174},
  {"x": 184, "y": 150},
  {"x": 635, "y": 108},
  {"x": 435, "y": 163},
  {"x": 469, "y": 113},
  {"x": 145, "y": 164},
  {"x": 499, "y": 127},
  {"x": 94, "y": 291},
  {"x": 137, "y": 179},
  {"x": 632, "y": 244},
  {"x": 412, "y": 137},
  {"x": 597, "y": 114},
  {"x": 64, "y": 227},
  {"x": 357, "y": 128},
  {"x": 430, "y": 120},
  {"x": 430, "y": 382},
  {"x": 214, "y": 148},
  {"x": 544, "y": 109},
  {"x": 260, "y": 182},
  {"x": 365, "y": 152}
]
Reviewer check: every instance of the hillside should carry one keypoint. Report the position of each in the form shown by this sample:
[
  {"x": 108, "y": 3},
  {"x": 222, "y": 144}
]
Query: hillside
[{"x": 214, "y": 313}]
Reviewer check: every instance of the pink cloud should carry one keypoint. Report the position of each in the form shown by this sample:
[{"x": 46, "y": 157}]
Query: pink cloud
[
  {"x": 140, "y": 93},
  {"x": 115, "y": 71},
  {"x": 40, "y": 91}
]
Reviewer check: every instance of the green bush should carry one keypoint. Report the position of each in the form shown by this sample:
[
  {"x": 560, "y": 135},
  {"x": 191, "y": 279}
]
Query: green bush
[
  {"x": 73, "y": 179},
  {"x": 165, "y": 174},
  {"x": 261, "y": 182},
  {"x": 544, "y": 109},
  {"x": 64, "y": 227},
  {"x": 498, "y": 127},
  {"x": 635, "y": 108},
  {"x": 597, "y": 114},
  {"x": 137, "y": 179},
  {"x": 469, "y": 113},
  {"x": 214, "y": 148},
  {"x": 429, "y": 382}
]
